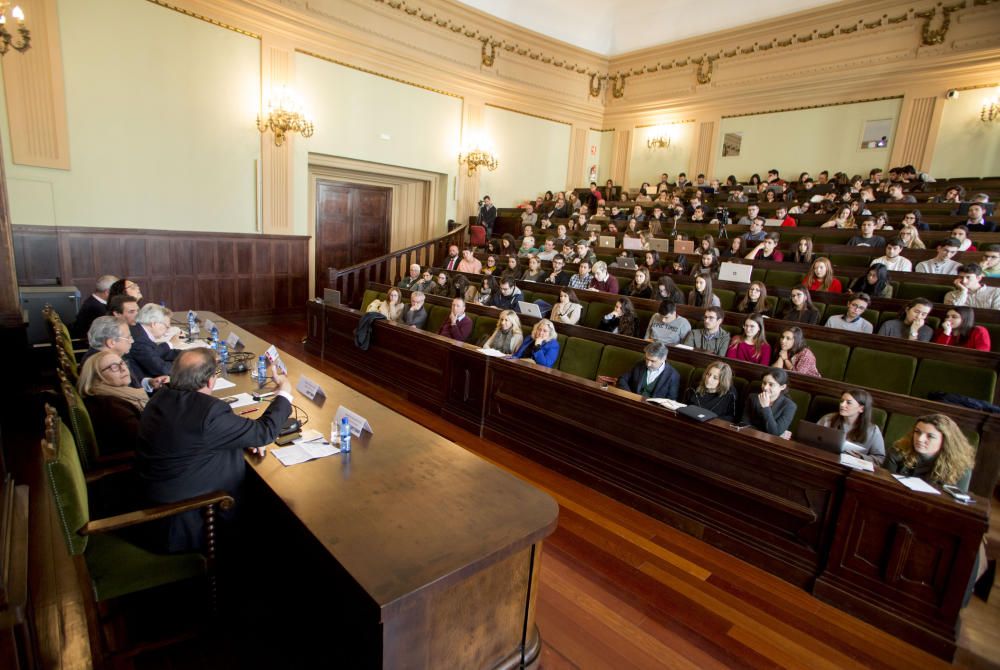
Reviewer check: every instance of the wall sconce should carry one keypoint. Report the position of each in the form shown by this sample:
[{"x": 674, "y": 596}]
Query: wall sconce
[
  {"x": 6, "y": 39},
  {"x": 990, "y": 111},
  {"x": 284, "y": 117},
  {"x": 658, "y": 139},
  {"x": 477, "y": 158}
]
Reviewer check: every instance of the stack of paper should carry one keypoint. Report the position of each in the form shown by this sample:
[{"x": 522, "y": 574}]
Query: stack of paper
[
  {"x": 916, "y": 484},
  {"x": 666, "y": 402},
  {"x": 311, "y": 445},
  {"x": 856, "y": 463}
]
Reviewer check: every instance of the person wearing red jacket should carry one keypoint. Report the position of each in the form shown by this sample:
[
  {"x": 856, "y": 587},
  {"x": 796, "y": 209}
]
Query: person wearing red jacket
[{"x": 959, "y": 329}]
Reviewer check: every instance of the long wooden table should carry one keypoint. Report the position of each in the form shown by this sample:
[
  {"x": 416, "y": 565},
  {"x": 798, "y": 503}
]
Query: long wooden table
[
  {"x": 861, "y": 541},
  {"x": 438, "y": 549}
]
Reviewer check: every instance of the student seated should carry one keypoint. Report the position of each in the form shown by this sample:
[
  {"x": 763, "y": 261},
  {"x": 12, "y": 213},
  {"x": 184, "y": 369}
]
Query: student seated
[
  {"x": 875, "y": 282},
  {"x": 853, "y": 320},
  {"x": 653, "y": 377},
  {"x": 793, "y": 354},
  {"x": 959, "y": 329},
  {"x": 582, "y": 279},
  {"x": 622, "y": 320},
  {"x": 542, "y": 347},
  {"x": 867, "y": 238},
  {"x": 942, "y": 263},
  {"x": 710, "y": 337},
  {"x": 534, "y": 272},
  {"x": 666, "y": 289},
  {"x": 801, "y": 308},
  {"x": 854, "y": 418},
  {"x": 708, "y": 264},
  {"x": 640, "y": 287},
  {"x": 969, "y": 289},
  {"x": 507, "y": 336},
  {"x": 751, "y": 346},
  {"x": 935, "y": 451},
  {"x": 701, "y": 295},
  {"x": 820, "y": 277},
  {"x": 392, "y": 307},
  {"x": 567, "y": 309},
  {"x": 754, "y": 301},
  {"x": 667, "y": 326},
  {"x": 894, "y": 261},
  {"x": 767, "y": 250},
  {"x": 715, "y": 392},
  {"x": 910, "y": 324},
  {"x": 771, "y": 411}
]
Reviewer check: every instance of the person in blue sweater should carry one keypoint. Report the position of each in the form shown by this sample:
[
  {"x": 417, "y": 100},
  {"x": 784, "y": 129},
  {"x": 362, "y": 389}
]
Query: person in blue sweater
[{"x": 542, "y": 347}]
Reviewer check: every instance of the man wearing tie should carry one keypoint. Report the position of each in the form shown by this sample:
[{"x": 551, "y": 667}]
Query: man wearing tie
[
  {"x": 653, "y": 377},
  {"x": 451, "y": 263}
]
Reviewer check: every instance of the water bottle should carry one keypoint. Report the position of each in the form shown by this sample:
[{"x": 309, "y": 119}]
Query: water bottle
[
  {"x": 192, "y": 326},
  {"x": 345, "y": 434},
  {"x": 261, "y": 371},
  {"x": 215, "y": 338},
  {"x": 224, "y": 357}
]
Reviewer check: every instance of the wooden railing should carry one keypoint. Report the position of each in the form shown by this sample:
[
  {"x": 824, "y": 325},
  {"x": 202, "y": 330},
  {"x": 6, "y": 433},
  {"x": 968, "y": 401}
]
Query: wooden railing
[{"x": 389, "y": 269}]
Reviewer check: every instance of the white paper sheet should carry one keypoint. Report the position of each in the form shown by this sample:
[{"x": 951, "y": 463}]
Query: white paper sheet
[
  {"x": 493, "y": 352},
  {"x": 916, "y": 484},
  {"x": 666, "y": 402},
  {"x": 222, "y": 383},
  {"x": 856, "y": 463},
  {"x": 306, "y": 451},
  {"x": 242, "y": 400}
]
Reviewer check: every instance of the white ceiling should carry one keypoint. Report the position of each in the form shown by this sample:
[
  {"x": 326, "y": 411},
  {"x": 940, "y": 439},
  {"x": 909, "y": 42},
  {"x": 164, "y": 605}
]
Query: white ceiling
[{"x": 613, "y": 27}]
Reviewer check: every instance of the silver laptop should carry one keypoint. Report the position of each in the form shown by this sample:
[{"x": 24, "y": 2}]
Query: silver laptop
[
  {"x": 659, "y": 244},
  {"x": 626, "y": 262},
  {"x": 595, "y": 227},
  {"x": 608, "y": 241},
  {"x": 331, "y": 296},
  {"x": 772, "y": 222},
  {"x": 634, "y": 243},
  {"x": 821, "y": 437},
  {"x": 529, "y": 308},
  {"x": 735, "y": 272}
]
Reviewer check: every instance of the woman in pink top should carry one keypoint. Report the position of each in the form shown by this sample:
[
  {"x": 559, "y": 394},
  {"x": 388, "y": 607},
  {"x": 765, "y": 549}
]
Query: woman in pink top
[
  {"x": 793, "y": 354},
  {"x": 751, "y": 346}
]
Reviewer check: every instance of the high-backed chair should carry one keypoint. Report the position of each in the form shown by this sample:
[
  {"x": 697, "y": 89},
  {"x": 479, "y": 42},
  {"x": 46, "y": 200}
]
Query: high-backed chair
[{"x": 108, "y": 565}]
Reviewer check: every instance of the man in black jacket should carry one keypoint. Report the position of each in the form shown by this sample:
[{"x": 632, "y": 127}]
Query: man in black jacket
[
  {"x": 487, "y": 215},
  {"x": 653, "y": 377},
  {"x": 94, "y": 306},
  {"x": 191, "y": 443}
]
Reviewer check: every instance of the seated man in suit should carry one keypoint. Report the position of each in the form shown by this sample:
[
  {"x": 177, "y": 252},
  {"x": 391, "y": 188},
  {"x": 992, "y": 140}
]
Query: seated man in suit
[
  {"x": 109, "y": 333},
  {"x": 124, "y": 307},
  {"x": 654, "y": 377},
  {"x": 191, "y": 443},
  {"x": 94, "y": 306},
  {"x": 457, "y": 326},
  {"x": 414, "y": 314},
  {"x": 408, "y": 281},
  {"x": 154, "y": 357}
]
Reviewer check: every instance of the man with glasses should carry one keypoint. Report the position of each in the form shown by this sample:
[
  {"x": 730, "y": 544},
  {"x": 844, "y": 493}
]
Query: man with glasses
[
  {"x": 853, "y": 321},
  {"x": 153, "y": 356},
  {"x": 652, "y": 377},
  {"x": 990, "y": 262},
  {"x": 710, "y": 337},
  {"x": 942, "y": 264},
  {"x": 108, "y": 333}
]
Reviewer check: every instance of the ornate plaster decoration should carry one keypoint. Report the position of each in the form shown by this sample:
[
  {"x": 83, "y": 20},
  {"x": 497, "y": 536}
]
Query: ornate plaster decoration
[
  {"x": 206, "y": 19},
  {"x": 704, "y": 73},
  {"x": 596, "y": 82},
  {"x": 489, "y": 57},
  {"x": 618, "y": 87}
]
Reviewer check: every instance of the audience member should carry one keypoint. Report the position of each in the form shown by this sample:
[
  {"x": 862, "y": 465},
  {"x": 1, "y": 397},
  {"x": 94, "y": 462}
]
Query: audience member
[
  {"x": 756, "y": 232},
  {"x": 392, "y": 307},
  {"x": 414, "y": 314},
  {"x": 666, "y": 289},
  {"x": 767, "y": 250},
  {"x": 843, "y": 219},
  {"x": 94, "y": 306},
  {"x": 124, "y": 307},
  {"x": 910, "y": 324},
  {"x": 958, "y": 328},
  {"x": 602, "y": 279},
  {"x": 507, "y": 336},
  {"x": 853, "y": 320},
  {"x": 109, "y": 333},
  {"x": 667, "y": 326},
  {"x": 652, "y": 377},
  {"x": 426, "y": 284},
  {"x": 469, "y": 262},
  {"x": 582, "y": 279},
  {"x": 894, "y": 261},
  {"x": 854, "y": 418},
  {"x": 153, "y": 356},
  {"x": 969, "y": 289},
  {"x": 408, "y": 281},
  {"x": 820, "y": 277},
  {"x": 752, "y": 344},
  {"x": 701, "y": 295},
  {"x": 977, "y": 219},
  {"x": 558, "y": 276},
  {"x": 793, "y": 354},
  {"x": 803, "y": 251},
  {"x": 710, "y": 337},
  {"x": 534, "y": 271},
  {"x": 528, "y": 216},
  {"x": 125, "y": 287},
  {"x": 453, "y": 259},
  {"x": 708, "y": 264},
  {"x": 487, "y": 215},
  {"x": 734, "y": 250},
  {"x": 754, "y": 301},
  {"x": 442, "y": 285},
  {"x": 715, "y": 392},
  {"x": 801, "y": 308},
  {"x": 942, "y": 263},
  {"x": 875, "y": 282},
  {"x": 621, "y": 320},
  {"x": 542, "y": 347},
  {"x": 867, "y": 238},
  {"x": 990, "y": 262},
  {"x": 935, "y": 451},
  {"x": 508, "y": 296},
  {"x": 567, "y": 309},
  {"x": 640, "y": 286},
  {"x": 910, "y": 237},
  {"x": 457, "y": 326},
  {"x": 961, "y": 233},
  {"x": 191, "y": 443},
  {"x": 771, "y": 411},
  {"x": 113, "y": 403}
]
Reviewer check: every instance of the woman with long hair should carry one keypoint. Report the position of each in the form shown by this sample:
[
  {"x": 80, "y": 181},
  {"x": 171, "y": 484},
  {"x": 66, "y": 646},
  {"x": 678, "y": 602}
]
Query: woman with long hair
[
  {"x": 534, "y": 271},
  {"x": 820, "y": 277},
  {"x": 542, "y": 347},
  {"x": 708, "y": 263},
  {"x": 706, "y": 245},
  {"x": 803, "y": 250},
  {"x": 959, "y": 329},
  {"x": 771, "y": 410},
  {"x": 801, "y": 307},
  {"x": 754, "y": 301},
  {"x": 936, "y": 451},
  {"x": 490, "y": 266},
  {"x": 751, "y": 345},
  {"x": 652, "y": 259},
  {"x": 910, "y": 236},
  {"x": 875, "y": 282},
  {"x": 640, "y": 287},
  {"x": 854, "y": 418},
  {"x": 701, "y": 295},
  {"x": 487, "y": 289},
  {"x": 567, "y": 309},
  {"x": 666, "y": 289},
  {"x": 715, "y": 391},
  {"x": 392, "y": 307},
  {"x": 793, "y": 354},
  {"x": 735, "y": 248},
  {"x": 507, "y": 336},
  {"x": 843, "y": 219},
  {"x": 621, "y": 320}
]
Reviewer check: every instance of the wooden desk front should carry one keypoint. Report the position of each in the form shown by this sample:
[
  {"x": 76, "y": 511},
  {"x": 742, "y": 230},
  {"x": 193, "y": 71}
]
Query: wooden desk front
[{"x": 443, "y": 545}]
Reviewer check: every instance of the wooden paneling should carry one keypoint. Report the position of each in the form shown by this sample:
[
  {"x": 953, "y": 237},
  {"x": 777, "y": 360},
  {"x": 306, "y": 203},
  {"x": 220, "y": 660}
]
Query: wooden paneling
[{"x": 236, "y": 275}]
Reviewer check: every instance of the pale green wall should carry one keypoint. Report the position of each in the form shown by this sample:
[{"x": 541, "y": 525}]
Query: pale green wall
[
  {"x": 967, "y": 147},
  {"x": 161, "y": 124},
  {"x": 533, "y": 155},
  {"x": 807, "y": 140},
  {"x": 352, "y": 110},
  {"x": 647, "y": 164},
  {"x": 598, "y": 153}
]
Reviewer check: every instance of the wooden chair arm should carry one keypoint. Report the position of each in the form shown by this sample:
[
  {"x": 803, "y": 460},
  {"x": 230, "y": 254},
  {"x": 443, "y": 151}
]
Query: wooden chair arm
[
  {"x": 119, "y": 521},
  {"x": 99, "y": 473}
]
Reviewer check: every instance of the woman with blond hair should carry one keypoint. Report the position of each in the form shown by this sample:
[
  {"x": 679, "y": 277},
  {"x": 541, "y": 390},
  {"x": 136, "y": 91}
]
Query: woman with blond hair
[
  {"x": 820, "y": 277},
  {"x": 114, "y": 407},
  {"x": 507, "y": 336},
  {"x": 911, "y": 238},
  {"x": 542, "y": 347},
  {"x": 392, "y": 307},
  {"x": 935, "y": 451},
  {"x": 843, "y": 219}
]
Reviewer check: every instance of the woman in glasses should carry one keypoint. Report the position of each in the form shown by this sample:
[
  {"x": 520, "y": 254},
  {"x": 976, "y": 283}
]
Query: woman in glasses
[{"x": 114, "y": 407}]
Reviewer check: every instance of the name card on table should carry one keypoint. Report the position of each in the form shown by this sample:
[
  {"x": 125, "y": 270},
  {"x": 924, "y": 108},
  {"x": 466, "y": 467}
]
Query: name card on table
[
  {"x": 234, "y": 342},
  {"x": 357, "y": 422},
  {"x": 311, "y": 390},
  {"x": 274, "y": 359},
  {"x": 209, "y": 325}
]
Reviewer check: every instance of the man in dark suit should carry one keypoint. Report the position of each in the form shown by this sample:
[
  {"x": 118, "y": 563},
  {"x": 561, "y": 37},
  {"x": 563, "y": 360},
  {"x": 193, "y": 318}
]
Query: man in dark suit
[
  {"x": 654, "y": 377},
  {"x": 153, "y": 357},
  {"x": 191, "y": 443},
  {"x": 487, "y": 215},
  {"x": 94, "y": 306},
  {"x": 415, "y": 314}
]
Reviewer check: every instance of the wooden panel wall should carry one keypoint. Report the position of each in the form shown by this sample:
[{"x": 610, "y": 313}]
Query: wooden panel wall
[{"x": 238, "y": 275}]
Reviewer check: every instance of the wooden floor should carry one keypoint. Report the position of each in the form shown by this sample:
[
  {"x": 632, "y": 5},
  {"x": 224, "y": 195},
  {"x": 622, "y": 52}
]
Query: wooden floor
[{"x": 618, "y": 589}]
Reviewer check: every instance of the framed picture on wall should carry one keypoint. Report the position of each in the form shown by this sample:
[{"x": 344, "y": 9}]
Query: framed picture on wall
[
  {"x": 731, "y": 144},
  {"x": 875, "y": 134}
]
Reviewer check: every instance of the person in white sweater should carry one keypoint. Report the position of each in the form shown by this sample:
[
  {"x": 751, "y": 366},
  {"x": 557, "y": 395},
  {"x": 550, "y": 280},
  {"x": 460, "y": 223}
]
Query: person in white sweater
[
  {"x": 969, "y": 289},
  {"x": 894, "y": 260}
]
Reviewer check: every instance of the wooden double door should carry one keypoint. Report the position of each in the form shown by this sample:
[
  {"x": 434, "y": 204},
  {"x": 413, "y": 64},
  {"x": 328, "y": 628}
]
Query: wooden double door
[{"x": 352, "y": 226}]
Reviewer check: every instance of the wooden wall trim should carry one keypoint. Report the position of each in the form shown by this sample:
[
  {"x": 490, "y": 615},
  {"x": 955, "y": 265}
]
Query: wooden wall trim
[{"x": 238, "y": 275}]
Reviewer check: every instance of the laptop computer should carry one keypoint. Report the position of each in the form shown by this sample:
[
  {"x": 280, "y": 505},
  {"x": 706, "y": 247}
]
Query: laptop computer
[
  {"x": 596, "y": 227},
  {"x": 634, "y": 243},
  {"x": 626, "y": 262},
  {"x": 683, "y": 246},
  {"x": 529, "y": 308},
  {"x": 772, "y": 222},
  {"x": 735, "y": 272},
  {"x": 659, "y": 244},
  {"x": 607, "y": 241},
  {"x": 821, "y": 437}
]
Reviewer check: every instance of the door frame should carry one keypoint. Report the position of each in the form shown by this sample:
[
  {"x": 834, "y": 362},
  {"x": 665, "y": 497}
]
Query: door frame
[{"x": 352, "y": 188}]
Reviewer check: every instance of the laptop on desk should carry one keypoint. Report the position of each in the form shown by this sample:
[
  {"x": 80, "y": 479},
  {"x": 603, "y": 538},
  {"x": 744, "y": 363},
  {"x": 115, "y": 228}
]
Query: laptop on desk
[
  {"x": 735, "y": 272},
  {"x": 683, "y": 246},
  {"x": 821, "y": 437},
  {"x": 529, "y": 308},
  {"x": 596, "y": 227},
  {"x": 607, "y": 241},
  {"x": 659, "y": 244},
  {"x": 633, "y": 243},
  {"x": 626, "y": 262}
]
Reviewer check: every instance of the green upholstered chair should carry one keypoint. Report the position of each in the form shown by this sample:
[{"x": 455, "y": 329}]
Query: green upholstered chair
[
  {"x": 758, "y": 274},
  {"x": 485, "y": 325},
  {"x": 850, "y": 260},
  {"x": 616, "y": 361},
  {"x": 934, "y": 375},
  {"x": 994, "y": 331},
  {"x": 561, "y": 339},
  {"x": 684, "y": 370},
  {"x": 933, "y": 292},
  {"x": 727, "y": 298},
  {"x": 80, "y": 424},
  {"x": 584, "y": 306},
  {"x": 783, "y": 278},
  {"x": 528, "y": 296},
  {"x": 824, "y": 404},
  {"x": 624, "y": 284},
  {"x": 831, "y": 357},
  {"x": 580, "y": 357},
  {"x": 369, "y": 296},
  {"x": 109, "y": 565},
  {"x": 730, "y": 328},
  {"x": 881, "y": 370},
  {"x": 899, "y": 425},
  {"x": 643, "y": 316},
  {"x": 595, "y": 313},
  {"x": 436, "y": 317},
  {"x": 67, "y": 365}
]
